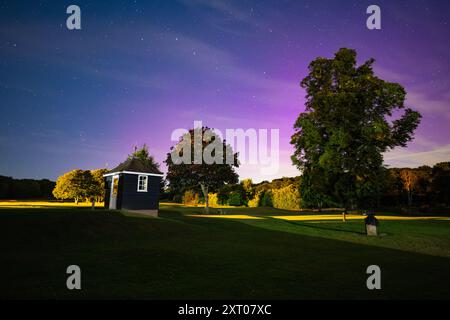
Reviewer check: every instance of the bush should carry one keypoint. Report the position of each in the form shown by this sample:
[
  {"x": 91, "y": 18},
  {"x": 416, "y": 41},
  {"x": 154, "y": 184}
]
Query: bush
[
  {"x": 225, "y": 192},
  {"x": 213, "y": 199},
  {"x": 190, "y": 197},
  {"x": 235, "y": 199},
  {"x": 266, "y": 199},
  {"x": 255, "y": 202},
  {"x": 286, "y": 198}
]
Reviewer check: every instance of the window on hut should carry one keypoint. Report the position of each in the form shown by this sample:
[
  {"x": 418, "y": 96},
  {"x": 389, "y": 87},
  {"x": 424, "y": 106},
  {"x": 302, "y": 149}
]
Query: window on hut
[{"x": 142, "y": 183}]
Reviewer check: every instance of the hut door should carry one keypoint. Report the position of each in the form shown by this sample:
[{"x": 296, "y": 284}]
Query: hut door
[{"x": 114, "y": 192}]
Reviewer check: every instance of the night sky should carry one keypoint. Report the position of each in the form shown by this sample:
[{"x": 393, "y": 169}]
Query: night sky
[{"x": 140, "y": 69}]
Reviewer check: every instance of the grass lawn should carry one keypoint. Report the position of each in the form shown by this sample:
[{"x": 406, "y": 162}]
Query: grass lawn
[{"x": 179, "y": 256}]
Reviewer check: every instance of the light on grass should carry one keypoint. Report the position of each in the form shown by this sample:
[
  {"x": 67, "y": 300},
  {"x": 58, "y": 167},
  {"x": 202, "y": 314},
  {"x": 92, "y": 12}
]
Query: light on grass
[
  {"x": 46, "y": 204},
  {"x": 245, "y": 217}
]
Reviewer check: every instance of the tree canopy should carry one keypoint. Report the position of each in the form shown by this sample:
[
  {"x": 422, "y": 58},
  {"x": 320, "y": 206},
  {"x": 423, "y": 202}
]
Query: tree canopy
[
  {"x": 144, "y": 155},
  {"x": 441, "y": 182},
  {"x": 194, "y": 171},
  {"x": 351, "y": 118},
  {"x": 80, "y": 185}
]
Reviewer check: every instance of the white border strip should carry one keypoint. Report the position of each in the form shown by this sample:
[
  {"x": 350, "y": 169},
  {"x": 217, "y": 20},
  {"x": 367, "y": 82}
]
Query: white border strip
[{"x": 138, "y": 173}]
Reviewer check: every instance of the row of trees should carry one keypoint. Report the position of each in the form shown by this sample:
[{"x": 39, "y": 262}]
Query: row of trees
[
  {"x": 399, "y": 187},
  {"x": 352, "y": 117},
  {"x": 429, "y": 186},
  {"x": 25, "y": 188},
  {"x": 280, "y": 193}
]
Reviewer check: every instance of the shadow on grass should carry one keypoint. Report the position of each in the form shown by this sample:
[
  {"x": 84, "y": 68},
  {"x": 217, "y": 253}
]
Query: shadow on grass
[
  {"x": 300, "y": 224},
  {"x": 129, "y": 257},
  {"x": 174, "y": 214}
]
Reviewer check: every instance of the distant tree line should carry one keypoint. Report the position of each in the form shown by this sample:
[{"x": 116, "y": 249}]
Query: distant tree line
[
  {"x": 423, "y": 186},
  {"x": 280, "y": 193},
  {"x": 11, "y": 188},
  {"x": 398, "y": 187}
]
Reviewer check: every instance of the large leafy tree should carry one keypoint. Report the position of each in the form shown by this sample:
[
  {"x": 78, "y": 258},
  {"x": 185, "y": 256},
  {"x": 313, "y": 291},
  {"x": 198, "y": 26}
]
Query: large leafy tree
[
  {"x": 80, "y": 185},
  {"x": 75, "y": 184},
  {"x": 194, "y": 172},
  {"x": 351, "y": 118}
]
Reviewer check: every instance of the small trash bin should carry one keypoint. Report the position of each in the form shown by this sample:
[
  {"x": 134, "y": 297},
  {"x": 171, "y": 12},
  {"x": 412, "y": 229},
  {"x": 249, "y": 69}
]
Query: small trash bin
[{"x": 371, "y": 225}]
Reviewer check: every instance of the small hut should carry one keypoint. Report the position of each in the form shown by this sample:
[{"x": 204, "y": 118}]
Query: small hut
[{"x": 133, "y": 185}]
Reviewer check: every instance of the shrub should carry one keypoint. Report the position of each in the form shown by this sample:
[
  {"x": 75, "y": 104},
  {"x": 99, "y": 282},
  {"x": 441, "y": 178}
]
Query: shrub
[
  {"x": 255, "y": 202},
  {"x": 235, "y": 199},
  {"x": 248, "y": 190},
  {"x": 190, "y": 197},
  {"x": 223, "y": 194},
  {"x": 286, "y": 198},
  {"x": 213, "y": 199},
  {"x": 266, "y": 199}
]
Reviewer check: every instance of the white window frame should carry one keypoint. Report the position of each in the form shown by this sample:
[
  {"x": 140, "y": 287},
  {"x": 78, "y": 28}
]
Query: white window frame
[{"x": 145, "y": 185}]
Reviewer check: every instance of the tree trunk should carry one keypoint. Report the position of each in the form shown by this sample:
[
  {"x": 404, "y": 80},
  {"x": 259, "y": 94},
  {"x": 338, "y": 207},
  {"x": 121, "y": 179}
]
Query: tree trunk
[
  {"x": 206, "y": 203},
  {"x": 205, "y": 194},
  {"x": 409, "y": 198},
  {"x": 76, "y": 201}
]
